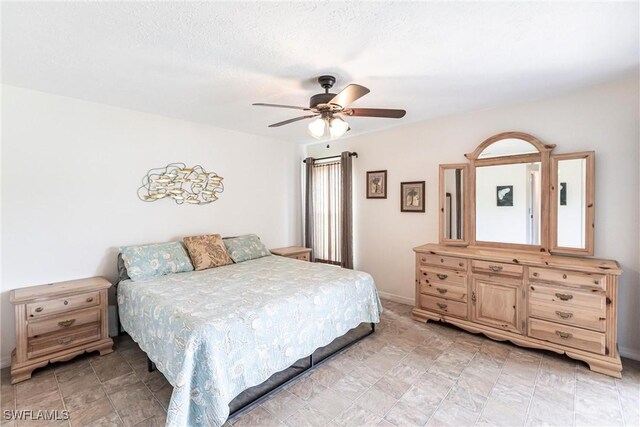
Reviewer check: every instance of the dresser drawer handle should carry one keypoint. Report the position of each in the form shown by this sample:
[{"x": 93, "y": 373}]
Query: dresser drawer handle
[
  {"x": 564, "y": 314},
  {"x": 564, "y": 276},
  {"x": 90, "y": 299},
  {"x": 66, "y": 323},
  {"x": 39, "y": 310},
  {"x": 461, "y": 264},
  {"x": 441, "y": 259},
  {"x": 495, "y": 268},
  {"x": 473, "y": 297},
  {"x": 441, "y": 290},
  {"x": 65, "y": 340},
  {"x": 564, "y": 335},
  {"x": 441, "y": 276},
  {"x": 564, "y": 297},
  {"x": 442, "y": 306},
  {"x": 535, "y": 274},
  {"x": 596, "y": 282},
  {"x": 66, "y": 302}
]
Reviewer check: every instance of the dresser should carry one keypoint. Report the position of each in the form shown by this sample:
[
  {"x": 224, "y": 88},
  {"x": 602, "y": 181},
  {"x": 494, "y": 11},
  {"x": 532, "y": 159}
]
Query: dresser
[
  {"x": 293, "y": 252},
  {"x": 58, "y": 321},
  {"x": 558, "y": 303}
]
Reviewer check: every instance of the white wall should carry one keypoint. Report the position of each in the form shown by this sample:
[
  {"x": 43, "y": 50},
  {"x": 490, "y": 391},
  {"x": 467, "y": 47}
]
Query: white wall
[
  {"x": 70, "y": 171},
  {"x": 603, "y": 118}
]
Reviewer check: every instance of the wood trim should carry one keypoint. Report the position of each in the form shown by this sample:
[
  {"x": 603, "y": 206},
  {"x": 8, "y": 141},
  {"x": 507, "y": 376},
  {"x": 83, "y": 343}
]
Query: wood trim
[
  {"x": 442, "y": 200},
  {"x": 508, "y": 135},
  {"x": 509, "y": 160},
  {"x": 590, "y": 202}
]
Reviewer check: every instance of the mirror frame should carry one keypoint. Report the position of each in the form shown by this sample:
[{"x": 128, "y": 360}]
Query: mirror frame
[
  {"x": 543, "y": 156},
  {"x": 465, "y": 205},
  {"x": 590, "y": 201}
]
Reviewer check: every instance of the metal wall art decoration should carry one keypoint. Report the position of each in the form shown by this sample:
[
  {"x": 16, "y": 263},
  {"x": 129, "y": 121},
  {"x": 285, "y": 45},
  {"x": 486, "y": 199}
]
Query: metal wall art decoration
[{"x": 176, "y": 181}]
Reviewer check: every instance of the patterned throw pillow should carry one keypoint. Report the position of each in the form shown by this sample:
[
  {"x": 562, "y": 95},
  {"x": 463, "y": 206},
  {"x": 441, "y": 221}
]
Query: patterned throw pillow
[
  {"x": 244, "y": 248},
  {"x": 207, "y": 251},
  {"x": 148, "y": 261}
]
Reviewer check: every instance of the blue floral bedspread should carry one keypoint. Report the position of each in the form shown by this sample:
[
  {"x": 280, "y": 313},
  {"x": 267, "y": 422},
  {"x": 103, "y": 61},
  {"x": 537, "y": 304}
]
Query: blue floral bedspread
[{"x": 217, "y": 332}]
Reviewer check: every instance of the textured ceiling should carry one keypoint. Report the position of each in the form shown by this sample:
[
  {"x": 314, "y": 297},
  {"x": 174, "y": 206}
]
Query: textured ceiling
[{"x": 207, "y": 62}]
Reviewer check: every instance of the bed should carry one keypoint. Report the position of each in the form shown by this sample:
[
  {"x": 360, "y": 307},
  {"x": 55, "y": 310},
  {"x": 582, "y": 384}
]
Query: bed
[{"x": 218, "y": 332}]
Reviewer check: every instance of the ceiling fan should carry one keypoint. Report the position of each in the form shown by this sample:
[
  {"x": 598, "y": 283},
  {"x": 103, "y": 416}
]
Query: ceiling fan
[{"x": 329, "y": 107}]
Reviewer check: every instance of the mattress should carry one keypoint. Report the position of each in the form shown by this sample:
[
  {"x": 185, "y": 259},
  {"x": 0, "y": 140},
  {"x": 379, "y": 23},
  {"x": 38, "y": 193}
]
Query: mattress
[{"x": 217, "y": 332}]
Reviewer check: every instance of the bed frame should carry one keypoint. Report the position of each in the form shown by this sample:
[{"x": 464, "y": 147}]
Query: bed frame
[{"x": 256, "y": 394}]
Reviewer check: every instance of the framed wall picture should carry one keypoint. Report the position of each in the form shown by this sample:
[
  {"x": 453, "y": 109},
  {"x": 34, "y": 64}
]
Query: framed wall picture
[
  {"x": 377, "y": 185},
  {"x": 412, "y": 196},
  {"x": 504, "y": 195}
]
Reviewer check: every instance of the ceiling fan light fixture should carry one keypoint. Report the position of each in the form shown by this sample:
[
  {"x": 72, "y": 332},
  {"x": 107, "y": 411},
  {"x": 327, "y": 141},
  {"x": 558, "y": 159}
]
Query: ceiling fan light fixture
[
  {"x": 316, "y": 128},
  {"x": 338, "y": 127}
]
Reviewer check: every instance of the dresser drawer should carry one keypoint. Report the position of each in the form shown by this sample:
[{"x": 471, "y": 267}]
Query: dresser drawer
[
  {"x": 566, "y": 298},
  {"x": 62, "y": 322},
  {"x": 57, "y": 341},
  {"x": 567, "y": 335},
  {"x": 443, "y": 261},
  {"x": 53, "y": 306},
  {"x": 444, "y": 290},
  {"x": 574, "y": 316},
  {"x": 571, "y": 278},
  {"x": 434, "y": 275},
  {"x": 444, "y": 306},
  {"x": 497, "y": 268}
]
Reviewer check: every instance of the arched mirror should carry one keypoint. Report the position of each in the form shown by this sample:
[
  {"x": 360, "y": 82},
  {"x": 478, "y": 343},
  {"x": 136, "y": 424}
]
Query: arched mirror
[
  {"x": 514, "y": 194},
  {"x": 509, "y": 203}
]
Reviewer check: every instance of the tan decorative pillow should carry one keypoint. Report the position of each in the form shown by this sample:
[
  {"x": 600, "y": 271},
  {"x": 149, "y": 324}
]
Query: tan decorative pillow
[{"x": 207, "y": 251}]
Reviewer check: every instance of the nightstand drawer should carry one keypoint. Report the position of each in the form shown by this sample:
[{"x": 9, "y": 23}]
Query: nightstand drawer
[
  {"x": 301, "y": 257},
  {"x": 62, "y": 322},
  {"x": 56, "y": 341},
  {"x": 59, "y": 305}
]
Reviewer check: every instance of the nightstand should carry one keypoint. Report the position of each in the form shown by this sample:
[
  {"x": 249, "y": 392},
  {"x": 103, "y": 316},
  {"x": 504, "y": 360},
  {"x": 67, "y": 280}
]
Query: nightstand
[
  {"x": 293, "y": 252},
  {"x": 58, "y": 321}
]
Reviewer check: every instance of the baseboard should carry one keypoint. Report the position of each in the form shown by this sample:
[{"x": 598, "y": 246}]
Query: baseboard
[
  {"x": 629, "y": 353},
  {"x": 396, "y": 298},
  {"x": 5, "y": 362}
]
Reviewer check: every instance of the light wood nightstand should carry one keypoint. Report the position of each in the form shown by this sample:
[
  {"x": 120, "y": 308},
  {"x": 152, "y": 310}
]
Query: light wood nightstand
[
  {"x": 293, "y": 252},
  {"x": 58, "y": 321}
]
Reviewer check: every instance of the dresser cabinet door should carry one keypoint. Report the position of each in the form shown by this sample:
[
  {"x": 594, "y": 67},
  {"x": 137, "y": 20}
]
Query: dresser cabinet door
[{"x": 498, "y": 303}]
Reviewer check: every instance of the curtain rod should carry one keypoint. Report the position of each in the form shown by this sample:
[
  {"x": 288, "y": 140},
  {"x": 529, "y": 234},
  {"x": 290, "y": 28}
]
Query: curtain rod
[{"x": 352, "y": 154}]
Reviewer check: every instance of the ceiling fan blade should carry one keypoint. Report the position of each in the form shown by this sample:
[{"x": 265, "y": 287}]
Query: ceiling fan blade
[
  {"x": 286, "y": 122},
  {"x": 262, "y": 104},
  {"x": 349, "y": 94},
  {"x": 375, "y": 112}
]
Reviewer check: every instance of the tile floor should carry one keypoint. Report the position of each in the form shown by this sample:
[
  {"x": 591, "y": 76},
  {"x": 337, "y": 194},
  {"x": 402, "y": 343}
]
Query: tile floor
[{"x": 407, "y": 374}]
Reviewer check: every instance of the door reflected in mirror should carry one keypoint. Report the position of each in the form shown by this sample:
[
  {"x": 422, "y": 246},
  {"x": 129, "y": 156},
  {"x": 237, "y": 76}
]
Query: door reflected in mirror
[
  {"x": 454, "y": 204},
  {"x": 572, "y": 194},
  {"x": 508, "y": 203}
]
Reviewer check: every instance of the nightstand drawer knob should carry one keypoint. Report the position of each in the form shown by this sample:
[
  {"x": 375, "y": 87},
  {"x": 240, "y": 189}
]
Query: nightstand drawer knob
[
  {"x": 66, "y": 302},
  {"x": 39, "y": 310},
  {"x": 66, "y": 323}
]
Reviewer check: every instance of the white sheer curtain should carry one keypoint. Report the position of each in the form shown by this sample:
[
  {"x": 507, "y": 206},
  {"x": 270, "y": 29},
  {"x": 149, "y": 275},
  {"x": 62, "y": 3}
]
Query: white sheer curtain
[{"x": 327, "y": 203}]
